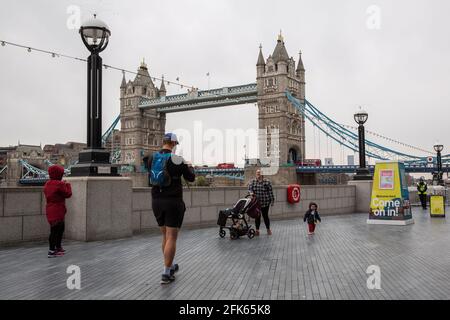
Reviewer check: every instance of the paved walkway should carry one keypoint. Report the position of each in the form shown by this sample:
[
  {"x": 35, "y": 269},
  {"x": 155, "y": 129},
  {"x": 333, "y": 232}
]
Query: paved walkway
[{"x": 414, "y": 262}]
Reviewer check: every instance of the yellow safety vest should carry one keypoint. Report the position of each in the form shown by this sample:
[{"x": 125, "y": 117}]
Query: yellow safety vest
[{"x": 422, "y": 188}]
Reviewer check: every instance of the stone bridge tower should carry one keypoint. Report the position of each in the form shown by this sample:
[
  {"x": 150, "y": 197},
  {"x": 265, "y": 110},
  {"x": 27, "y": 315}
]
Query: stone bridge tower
[
  {"x": 141, "y": 131},
  {"x": 274, "y": 76}
]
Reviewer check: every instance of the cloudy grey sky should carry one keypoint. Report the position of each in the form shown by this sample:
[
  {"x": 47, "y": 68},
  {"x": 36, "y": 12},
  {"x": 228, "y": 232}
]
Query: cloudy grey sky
[{"x": 400, "y": 73}]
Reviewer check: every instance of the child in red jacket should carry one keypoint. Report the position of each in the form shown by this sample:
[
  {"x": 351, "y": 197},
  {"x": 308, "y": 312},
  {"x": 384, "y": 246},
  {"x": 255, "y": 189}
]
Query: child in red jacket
[{"x": 56, "y": 191}]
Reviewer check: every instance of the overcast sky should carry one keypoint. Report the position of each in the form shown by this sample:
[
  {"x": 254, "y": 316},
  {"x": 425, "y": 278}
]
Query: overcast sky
[{"x": 400, "y": 73}]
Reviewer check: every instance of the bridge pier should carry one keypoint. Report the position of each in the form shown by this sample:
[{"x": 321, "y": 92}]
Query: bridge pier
[{"x": 307, "y": 178}]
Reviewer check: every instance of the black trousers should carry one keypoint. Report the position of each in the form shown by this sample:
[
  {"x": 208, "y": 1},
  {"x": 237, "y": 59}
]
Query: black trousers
[
  {"x": 56, "y": 235},
  {"x": 265, "y": 214},
  {"x": 423, "y": 200}
]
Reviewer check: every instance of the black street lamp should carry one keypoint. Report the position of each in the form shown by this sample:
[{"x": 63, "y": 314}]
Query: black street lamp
[
  {"x": 438, "y": 148},
  {"x": 94, "y": 160},
  {"x": 362, "y": 173}
]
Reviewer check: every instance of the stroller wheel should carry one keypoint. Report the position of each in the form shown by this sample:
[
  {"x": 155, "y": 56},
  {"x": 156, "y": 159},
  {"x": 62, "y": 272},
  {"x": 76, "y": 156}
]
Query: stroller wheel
[
  {"x": 222, "y": 233},
  {"x": 251, "y": 233},
  {"x": 233, "y": 235}
]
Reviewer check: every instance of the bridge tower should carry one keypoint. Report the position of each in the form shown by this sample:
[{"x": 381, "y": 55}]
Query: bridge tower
[
  {"x": 142, "y": 130},
  {"x": 274, "y": 76}
]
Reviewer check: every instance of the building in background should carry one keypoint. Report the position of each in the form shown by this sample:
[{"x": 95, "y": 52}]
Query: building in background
[
  {"x": 351, "y": 160},
  {"x": 4, "y": 154},
  {"x": 11, "y": 168},
  {"x": 63, "y": 154}
]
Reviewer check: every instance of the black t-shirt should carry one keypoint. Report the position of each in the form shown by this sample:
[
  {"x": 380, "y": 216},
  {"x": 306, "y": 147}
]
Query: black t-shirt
[{"x": 177, "y": 168}]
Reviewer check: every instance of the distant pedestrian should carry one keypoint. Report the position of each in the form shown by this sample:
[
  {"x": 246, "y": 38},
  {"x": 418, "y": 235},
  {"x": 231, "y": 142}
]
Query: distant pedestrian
[
  {"x": 262, "y": 189},
  {"x": 56, "y": 192},
  {"x": 312, "y": 217},
  {"x": 422, "y": 192},
  {"x": 165, "y": 171}
]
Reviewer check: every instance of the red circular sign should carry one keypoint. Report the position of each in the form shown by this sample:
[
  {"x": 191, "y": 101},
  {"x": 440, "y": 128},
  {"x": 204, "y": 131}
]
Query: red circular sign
[
  {"x": 296, "y": 194},
  {"x": 293, "y": 193}
]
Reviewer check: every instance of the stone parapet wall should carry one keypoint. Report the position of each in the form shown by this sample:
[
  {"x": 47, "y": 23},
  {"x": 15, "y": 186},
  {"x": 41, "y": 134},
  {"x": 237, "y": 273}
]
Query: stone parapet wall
[
  {"x": 22, "y": 209},
  {"x": 203, "y": 204},
  {"x": 22, "y": 214}
]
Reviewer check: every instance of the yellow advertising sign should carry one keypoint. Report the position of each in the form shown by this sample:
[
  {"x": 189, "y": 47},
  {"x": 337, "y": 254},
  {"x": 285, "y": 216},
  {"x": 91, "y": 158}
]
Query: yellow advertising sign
[
  {"x": 390, "y": 197},
  {"x": 437, "y": 207}
]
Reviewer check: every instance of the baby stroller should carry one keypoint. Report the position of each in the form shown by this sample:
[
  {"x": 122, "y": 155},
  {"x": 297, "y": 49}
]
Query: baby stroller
[{"x": 239, "y": 226}]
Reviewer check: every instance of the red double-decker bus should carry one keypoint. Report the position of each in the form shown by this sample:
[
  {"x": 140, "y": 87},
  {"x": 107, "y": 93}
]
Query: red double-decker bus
[
  {"x": 225, "y": 166},
  {"x": 309, "y": 163}
]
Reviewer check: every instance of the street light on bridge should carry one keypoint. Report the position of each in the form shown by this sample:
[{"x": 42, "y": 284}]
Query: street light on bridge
[
  {"x": 362, "y": 173},
  {"x": 94, "y": 160},
  {"x": 438, "y": 148}
]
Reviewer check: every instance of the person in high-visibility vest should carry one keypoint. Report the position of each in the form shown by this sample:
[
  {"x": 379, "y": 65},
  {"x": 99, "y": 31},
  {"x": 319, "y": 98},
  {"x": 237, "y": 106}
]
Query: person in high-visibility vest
[{"x": 422, "y": 192}]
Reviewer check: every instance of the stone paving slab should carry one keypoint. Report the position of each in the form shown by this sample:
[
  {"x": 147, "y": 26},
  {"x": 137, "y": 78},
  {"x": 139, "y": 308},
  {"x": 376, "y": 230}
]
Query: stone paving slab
[{"x": 414, "y": 262}]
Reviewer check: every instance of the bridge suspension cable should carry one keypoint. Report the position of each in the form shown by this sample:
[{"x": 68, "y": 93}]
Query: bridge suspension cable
[
  {"x": 349, "y": 139},
  {"x": 390, "y": 139},
  {"x": 32, "y": 171}
]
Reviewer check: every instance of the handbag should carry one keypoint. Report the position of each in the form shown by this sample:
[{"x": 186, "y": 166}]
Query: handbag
[{"x": 254, "y": 209}]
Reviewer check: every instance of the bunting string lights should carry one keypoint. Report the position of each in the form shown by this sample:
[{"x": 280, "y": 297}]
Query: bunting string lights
[{"x": 55, "y": 54}]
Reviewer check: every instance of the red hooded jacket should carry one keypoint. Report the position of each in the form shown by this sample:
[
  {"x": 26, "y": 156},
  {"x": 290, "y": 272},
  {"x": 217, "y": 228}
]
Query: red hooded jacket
[{"x": 56, "y": 191}]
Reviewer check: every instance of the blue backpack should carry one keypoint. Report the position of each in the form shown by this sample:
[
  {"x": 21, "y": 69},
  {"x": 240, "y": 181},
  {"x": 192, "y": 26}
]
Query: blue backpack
[{"x": 158, "y": 175}]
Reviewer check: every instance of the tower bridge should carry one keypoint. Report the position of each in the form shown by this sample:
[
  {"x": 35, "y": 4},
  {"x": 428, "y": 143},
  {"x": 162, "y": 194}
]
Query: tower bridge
[
  {"x": 279, "y": 93},
  {"x": 143, "y": 106}
]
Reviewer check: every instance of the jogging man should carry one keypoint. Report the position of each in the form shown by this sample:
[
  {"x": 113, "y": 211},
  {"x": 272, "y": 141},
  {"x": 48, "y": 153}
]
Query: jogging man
[{"x": 165, "y": 172}]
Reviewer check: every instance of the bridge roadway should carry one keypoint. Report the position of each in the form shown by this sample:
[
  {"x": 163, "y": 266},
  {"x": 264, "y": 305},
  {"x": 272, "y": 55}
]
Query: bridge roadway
[
  {"x": 195, "y": 100},
  {"x": 290, "y": 264},
  {"x": 330, "y": 169},
  {"x": 410, "y": 168},
  {"x": 238, "y": 173}
]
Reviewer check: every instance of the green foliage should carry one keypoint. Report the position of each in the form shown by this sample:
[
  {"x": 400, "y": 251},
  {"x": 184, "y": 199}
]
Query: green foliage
[{"x": 200, "y": 181}]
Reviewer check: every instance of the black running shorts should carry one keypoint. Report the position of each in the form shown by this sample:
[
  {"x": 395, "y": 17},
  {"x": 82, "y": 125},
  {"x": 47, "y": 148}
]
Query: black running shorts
[{"x": 169, "y": 212}]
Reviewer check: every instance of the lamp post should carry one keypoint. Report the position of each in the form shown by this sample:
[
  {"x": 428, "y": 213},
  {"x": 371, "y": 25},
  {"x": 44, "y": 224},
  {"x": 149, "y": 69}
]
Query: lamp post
[
  {"x": 438, "y": 148},
  {"x": 94, "y": 160},
  {"x": 362, "y": 173}
]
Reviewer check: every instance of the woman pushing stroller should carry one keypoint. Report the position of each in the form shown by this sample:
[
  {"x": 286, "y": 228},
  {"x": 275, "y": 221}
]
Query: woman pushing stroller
[{"x": 262, "y": 189}]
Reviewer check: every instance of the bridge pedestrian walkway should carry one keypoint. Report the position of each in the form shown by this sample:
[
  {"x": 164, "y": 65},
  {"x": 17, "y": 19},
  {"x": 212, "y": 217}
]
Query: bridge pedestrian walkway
[{"x": 414, "y": 262}]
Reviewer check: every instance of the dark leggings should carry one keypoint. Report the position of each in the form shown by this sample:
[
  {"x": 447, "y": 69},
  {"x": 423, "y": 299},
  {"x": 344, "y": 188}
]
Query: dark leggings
[
  {"x": 265, "y": 214},
  {"x": 423, "y": 200},
  {"x": 56, "y": 234}
]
